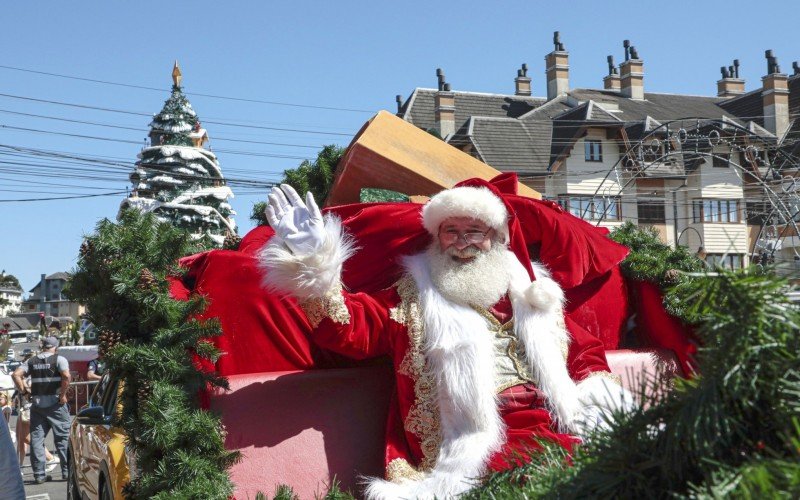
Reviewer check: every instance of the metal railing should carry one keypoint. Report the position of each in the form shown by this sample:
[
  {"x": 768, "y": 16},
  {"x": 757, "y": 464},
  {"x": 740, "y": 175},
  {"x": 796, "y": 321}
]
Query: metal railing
[
  {"x": 77, "y": 395},
  {"x": 80, "y": 391}
]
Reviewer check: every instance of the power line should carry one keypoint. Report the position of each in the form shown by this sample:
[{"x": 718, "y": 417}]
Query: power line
[
  {"x": 211, "y": 96},
  {"x": 141, "y": 130},
  {"x": 65, "y": 197},
  {"x": 125, "y": 141},
  {"x": 134, "y": 113}
]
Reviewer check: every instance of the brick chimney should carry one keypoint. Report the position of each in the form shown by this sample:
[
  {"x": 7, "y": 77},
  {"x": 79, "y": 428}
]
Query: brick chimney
[
  {"x": 775, "y": 97},
  {"x": 632, "y": 70},
  {"x": 444, "y": 107},
  {"x": 730, "y": 85},
  {"x": 522, "y": 83},
  {"x": 611, "y": 81},
  {"x": 557, "y": 64}
]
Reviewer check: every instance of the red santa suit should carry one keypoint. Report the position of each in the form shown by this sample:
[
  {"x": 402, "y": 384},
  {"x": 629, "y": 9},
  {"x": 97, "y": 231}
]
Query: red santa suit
[{"x": 473, "y": 387}]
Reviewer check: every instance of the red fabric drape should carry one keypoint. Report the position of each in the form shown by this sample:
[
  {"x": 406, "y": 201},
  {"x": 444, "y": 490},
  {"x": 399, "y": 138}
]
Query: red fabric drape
[
  {"x": 264, "y": 332},
  {"x": 657, "y": 328}
]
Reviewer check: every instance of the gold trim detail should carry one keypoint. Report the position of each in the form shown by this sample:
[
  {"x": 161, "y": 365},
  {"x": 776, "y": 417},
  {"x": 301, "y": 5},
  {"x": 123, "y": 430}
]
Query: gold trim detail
[
  {"x": 564, "y": 344},
  {"x": 617, "y": 379},
  {"x": 506, "y": 331},
  {"x": 399, "y": 468},
  {"x": 423, "y": 419},
  {"x": 331, "y": 305}
]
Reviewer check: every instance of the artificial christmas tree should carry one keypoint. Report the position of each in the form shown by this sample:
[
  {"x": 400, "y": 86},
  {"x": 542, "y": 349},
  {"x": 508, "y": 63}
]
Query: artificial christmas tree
[{"x": 176, "y": 178}]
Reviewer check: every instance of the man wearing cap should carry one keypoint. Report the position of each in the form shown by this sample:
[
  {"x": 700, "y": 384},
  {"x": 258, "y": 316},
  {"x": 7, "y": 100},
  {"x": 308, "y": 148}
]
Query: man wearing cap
[
  {"x": 50, "y": 380},
  {"x": 484, "y": 365}
]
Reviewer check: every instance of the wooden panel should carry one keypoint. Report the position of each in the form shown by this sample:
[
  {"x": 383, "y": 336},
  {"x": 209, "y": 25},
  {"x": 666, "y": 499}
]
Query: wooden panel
[{"x": 390, "y": 153}]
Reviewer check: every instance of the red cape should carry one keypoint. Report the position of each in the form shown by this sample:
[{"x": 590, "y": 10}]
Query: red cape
[{"x": 264, "y": 332}]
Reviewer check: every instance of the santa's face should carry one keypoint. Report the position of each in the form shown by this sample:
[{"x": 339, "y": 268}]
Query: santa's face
[
  {"x": 463, "y": 238},
  {"x": 466, "y": 265}
]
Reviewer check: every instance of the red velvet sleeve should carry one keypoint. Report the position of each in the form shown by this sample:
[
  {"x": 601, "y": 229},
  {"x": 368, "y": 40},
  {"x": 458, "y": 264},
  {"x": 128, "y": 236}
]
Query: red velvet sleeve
[
  {"x": 586, "y": 352},
  {"x": 365, "y": 332}
]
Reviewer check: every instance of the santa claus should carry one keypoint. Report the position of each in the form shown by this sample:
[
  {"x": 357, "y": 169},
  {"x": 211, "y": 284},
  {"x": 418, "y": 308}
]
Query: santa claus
[{"x": 478, "y": 341}]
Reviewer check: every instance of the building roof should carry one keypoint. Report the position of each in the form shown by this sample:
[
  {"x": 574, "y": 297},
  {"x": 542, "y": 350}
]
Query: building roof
[
  {"x": 16, "y": 323},
  {"x": 419, "y": 109},
  {"x": 526, "y": 134},
  {"x": 55, "y": 276}
]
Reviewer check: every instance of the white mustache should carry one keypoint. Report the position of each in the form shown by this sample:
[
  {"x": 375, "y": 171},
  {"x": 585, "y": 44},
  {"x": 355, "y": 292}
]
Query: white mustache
[{"x": 464, "y": 253}]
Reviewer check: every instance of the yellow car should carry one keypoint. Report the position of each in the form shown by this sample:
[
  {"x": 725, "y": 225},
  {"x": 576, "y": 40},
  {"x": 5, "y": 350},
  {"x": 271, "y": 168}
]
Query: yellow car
[{"x": 98, "y": 458}]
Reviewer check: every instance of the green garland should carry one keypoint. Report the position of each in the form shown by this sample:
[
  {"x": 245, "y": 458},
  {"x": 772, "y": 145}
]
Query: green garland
[
  {"x": 121, "y": 277},
  {"x": 653, "y": 261},
  {"x": 733, "y": 431}
]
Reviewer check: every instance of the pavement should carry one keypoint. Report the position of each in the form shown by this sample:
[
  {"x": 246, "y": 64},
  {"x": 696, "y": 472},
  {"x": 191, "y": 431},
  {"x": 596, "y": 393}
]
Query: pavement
[{"x": 53, "y": 490}]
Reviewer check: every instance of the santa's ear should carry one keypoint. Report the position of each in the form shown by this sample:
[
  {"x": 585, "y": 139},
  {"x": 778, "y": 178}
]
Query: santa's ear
[{"x": 544, "y": 294}]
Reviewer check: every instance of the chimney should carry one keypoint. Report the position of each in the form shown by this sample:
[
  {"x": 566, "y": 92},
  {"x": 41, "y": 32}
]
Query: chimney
[
  {"x": 557, "y": 63},
  {"x": 730, "y": 85},
  {"x": 444, "y": 107},
  {"x": 611, "y": 81},
  {"x": 399, "y": 100},
  {"x": 632, "y": 70},
  {"x": 775, "y": 97},
  {"x": 522, "y": 82}
]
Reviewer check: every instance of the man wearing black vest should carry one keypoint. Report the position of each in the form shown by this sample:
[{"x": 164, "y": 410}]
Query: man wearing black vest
[{"x": 50, "y": 380}]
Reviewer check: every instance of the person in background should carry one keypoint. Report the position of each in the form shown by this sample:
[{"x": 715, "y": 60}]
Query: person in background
[
  {"x": 96, "y": 368},
  {"x": 50, "y": 380},
  {"x": 5, "y": 407},
  {"x": 10, "y": 481}
]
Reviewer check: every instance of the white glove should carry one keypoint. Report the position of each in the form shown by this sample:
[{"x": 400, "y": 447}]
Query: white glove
[{"x": 299, "y": 224}]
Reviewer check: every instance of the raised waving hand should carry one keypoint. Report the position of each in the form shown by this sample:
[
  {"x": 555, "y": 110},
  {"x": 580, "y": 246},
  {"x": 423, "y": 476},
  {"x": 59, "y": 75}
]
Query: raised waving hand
[{"x": 299, "y": 224}]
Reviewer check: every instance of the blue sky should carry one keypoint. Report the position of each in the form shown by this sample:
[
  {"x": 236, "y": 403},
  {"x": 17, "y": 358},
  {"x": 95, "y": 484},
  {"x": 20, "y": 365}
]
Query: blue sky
[{"x": 344, "y": 54}]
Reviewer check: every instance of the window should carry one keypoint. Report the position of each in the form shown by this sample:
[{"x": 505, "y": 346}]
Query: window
[
  {"x": 715, "y": 211},
  {"x": 727, "y": 261},
  {"x": 651, "y": 211},
  {"x": 593, "y": 150},
  {"x": 591, "y": 208},
  {"x": 721, "y": 160}
]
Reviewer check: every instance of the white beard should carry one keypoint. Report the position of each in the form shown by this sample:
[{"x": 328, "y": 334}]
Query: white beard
[{"x": 480, "y": 282}]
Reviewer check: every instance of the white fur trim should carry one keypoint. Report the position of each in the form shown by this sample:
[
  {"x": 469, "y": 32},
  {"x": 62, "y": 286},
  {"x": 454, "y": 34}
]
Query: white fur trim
[
  {"x": 466, "y": 201},
  {"x": 306, "y": 276},
  {"x": 541, "y": 330},
  {"x": 460, "y": 354},
  {"x": 600, "y": 390},
  {"x": 601, "y": 398}
]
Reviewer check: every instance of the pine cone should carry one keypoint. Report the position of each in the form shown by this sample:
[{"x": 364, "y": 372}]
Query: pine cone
[
  {"x": 147, "y": 280},
  {"x": 129, "y": 490},
  {"x": 107, "y": 340},
  {"x": 145, "y": 391},
  {"x": 87, "y": 249},
  {"x": 231, "y": 241},
  {"x": 672, "y": 275}
]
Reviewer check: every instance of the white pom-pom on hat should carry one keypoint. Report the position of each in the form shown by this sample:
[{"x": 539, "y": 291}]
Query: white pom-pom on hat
[
  {"x": 466, "y": 201},
  {"x": 544, "y": 294}
]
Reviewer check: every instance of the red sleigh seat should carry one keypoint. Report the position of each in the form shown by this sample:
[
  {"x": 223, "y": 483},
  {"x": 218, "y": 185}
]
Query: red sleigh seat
[{"x": 305, "y": 428}]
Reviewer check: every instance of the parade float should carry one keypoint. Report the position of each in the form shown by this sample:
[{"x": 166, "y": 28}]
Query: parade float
[{"x": 257, "y": 405}]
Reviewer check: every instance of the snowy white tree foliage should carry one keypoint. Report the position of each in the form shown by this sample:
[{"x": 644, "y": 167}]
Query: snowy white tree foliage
[{"x": 179, "y": 180}]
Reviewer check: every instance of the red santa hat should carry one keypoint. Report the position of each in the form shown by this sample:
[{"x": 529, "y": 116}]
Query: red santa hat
[
  {"x": 475, "y": 202},
  {"x": 485, "y": 201}
]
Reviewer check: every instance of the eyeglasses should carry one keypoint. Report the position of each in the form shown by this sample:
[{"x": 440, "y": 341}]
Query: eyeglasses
[{"x": 471, "y": 238}]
